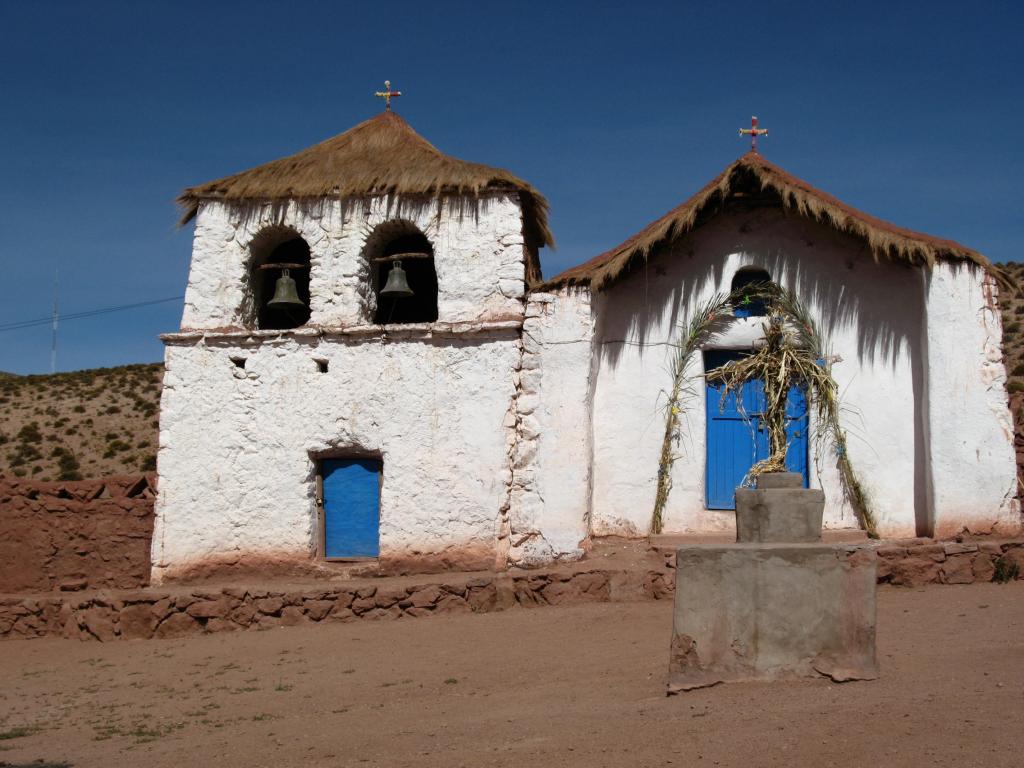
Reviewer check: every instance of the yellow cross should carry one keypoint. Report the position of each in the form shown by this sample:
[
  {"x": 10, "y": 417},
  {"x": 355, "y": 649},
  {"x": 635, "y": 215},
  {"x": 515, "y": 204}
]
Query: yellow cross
[{"x": 386, "y": 95}]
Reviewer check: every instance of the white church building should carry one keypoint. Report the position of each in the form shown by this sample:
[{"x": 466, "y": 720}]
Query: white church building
[{"x": 371, "y": 367}]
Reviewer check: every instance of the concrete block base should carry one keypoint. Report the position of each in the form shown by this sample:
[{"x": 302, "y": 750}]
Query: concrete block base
[{"x": 761, "y": 612}]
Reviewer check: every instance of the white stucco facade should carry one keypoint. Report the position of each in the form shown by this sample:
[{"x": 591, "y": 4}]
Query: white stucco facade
[
  {"x": 520, "y": 425},
  {"x": 247, "y": 413},
  {"x": 871, "y": 315},
  {"x": 478, "y": 256}
]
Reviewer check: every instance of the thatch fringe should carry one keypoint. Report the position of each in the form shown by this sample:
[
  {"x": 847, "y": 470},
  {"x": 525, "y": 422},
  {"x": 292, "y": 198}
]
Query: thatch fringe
[
  {"x": 381, "y": 156},
  {"x": 752, "y": 174}
]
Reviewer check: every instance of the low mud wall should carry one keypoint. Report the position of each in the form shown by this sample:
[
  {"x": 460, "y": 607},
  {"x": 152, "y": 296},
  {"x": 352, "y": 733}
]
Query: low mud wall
[
  {"x": 182, "y": 611},
  {"x": 921, "y": 561},
  {"x": 85, "y": 534}
]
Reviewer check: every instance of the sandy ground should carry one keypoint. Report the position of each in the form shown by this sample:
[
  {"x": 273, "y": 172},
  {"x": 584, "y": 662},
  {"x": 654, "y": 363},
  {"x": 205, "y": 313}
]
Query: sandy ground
[{"x": 545, "y": 687}]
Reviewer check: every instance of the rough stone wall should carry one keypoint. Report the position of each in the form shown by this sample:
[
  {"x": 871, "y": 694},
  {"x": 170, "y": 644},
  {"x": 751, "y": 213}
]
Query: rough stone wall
[
  {"x": 871, "y": 315},
  {"x": 75, "y": 535},
  {"x": 478, "y": 256},
  {"x": 550, "y": 498},
  {"x": 974, "y": 483},
  {"x": 143, "y": 614},
  {"x": 238, "y": 445},
  {"x": 181, "y": 612}
]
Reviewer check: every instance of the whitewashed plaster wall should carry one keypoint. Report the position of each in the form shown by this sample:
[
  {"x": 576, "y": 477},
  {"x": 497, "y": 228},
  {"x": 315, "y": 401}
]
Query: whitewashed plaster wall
[
  {"x": 478, "y": 256},
  {"x": 974, "y": 481},
  {"x": 550, "y": 499},
  {"x": 237, "y": 447},
  {"x": 872, "y": 315}
]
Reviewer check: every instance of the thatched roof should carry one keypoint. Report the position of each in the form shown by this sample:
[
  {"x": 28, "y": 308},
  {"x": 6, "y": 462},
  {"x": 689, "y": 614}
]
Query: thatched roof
[
  {"x": 754, "y": 179},
  {"x": 380, "y": 156}
]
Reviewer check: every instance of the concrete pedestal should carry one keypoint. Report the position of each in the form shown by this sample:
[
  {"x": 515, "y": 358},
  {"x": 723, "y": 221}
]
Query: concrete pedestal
[
  {"x": 779, "y": 510},
  {"x": 759, "y": 612}
]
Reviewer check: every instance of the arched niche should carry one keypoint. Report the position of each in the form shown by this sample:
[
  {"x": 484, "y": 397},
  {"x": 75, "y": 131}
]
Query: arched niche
[
  {"x": 402, "y": 237},
  {"x": 749, "y": 305},
  {"x": 277, "y": 245}
]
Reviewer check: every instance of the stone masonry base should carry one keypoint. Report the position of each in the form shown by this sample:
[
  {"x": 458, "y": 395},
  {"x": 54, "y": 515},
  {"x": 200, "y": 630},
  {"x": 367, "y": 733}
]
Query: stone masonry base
[{"x": 614, "y": 571}]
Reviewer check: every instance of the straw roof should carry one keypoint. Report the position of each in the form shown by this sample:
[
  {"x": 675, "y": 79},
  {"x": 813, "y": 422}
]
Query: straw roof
[
  {"x": 754, "y": 179},
  {"x": 380, "y": 156}
]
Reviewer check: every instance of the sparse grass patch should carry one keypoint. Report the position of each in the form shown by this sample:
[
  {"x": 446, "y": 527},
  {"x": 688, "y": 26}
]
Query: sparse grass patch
[{"x": 19, "y": 732}]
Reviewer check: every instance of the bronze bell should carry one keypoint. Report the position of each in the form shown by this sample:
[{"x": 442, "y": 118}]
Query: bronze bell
[
  {"x": 285, "y": 292},
  {"x": 397, "y": 287}
]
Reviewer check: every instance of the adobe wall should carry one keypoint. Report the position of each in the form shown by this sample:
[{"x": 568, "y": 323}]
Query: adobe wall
[
  {"x": 85, "y": 534},
  {"x": 549, "y": 517},
  {"x": 478, "y": 255},
  {"x": 871, "y": 314},
  {"x": 974, "y": 480},
  {"x": 238, "y": 445}
]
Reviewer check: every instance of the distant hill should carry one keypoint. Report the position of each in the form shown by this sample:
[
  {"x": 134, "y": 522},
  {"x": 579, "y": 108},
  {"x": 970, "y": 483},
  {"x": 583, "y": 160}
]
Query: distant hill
[
  {"x": 1013, "y": 329},
  {"x": 80, "y": 424}
]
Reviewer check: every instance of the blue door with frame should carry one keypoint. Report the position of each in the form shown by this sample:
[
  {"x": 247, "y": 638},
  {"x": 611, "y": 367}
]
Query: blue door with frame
[
  {"x": 736, "y": 436},
  {"x": 351, "y": 507}
]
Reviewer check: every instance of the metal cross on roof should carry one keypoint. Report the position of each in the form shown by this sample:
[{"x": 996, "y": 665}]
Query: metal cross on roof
[
  {"x": 386, "y": 95},
  {"x": 753, "y": 132}
]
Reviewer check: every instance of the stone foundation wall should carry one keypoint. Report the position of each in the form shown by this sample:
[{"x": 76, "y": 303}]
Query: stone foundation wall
[
  {"x": 87, "y": 534},
  {"x": 922, "y": 561},
  {"x": 139, "y": 614},
  {"x": 144, "y": 614}
]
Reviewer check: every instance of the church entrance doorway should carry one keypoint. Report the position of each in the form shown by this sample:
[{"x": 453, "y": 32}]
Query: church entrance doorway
[
  {"x": 736, "y": 437},
  {"x": 350, "y": 508}
]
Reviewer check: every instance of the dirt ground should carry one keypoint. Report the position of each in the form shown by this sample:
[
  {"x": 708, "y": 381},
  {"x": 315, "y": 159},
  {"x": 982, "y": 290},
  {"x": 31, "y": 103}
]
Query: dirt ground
[{"x": 555, "y": 686}]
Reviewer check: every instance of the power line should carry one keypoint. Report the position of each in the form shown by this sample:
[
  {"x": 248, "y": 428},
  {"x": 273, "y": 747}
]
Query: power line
[{"x": 17, "y": 326}]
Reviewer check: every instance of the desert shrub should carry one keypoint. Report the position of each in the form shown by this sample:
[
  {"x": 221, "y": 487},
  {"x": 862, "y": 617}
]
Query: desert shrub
[
  {"x": 1018, "y": 369},
  {"x": 23, "y": 454},
  {"x": 68, "y": 467},
  {"x": 79, "y": 408},
  {"x": 30, "y": 433},
  {"x": 115, "y": 447},
  {"x": 148, "y": 464},
  {"x": 1014, "y": 385},
  {"x": 110, "y": 436},
  {"x": 1011, "y": 327},
  {"x": 1005, "y": 570},
  {"x": 37, "y": 469},
  {"x": 113, "y": 409}
]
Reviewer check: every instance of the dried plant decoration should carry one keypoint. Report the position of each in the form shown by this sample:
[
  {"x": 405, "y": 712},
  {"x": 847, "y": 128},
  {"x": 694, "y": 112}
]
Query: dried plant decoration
[{"x": 793, "y": 354}]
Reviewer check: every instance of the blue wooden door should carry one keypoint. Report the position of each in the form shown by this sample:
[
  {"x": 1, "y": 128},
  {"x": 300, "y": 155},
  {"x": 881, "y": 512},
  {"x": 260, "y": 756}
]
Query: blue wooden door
[
  {"x": 736, "y": 437},
  {"x": 351, "y": 490}
]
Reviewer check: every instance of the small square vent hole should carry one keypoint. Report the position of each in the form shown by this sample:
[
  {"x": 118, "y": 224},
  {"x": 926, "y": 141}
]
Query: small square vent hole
[
  {"x": 239, "y": 362},
  {"x": 321, "y": 365}
]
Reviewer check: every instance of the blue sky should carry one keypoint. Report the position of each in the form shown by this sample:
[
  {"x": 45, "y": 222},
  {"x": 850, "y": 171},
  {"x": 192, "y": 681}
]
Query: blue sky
[{"x": 616, "y": 111}]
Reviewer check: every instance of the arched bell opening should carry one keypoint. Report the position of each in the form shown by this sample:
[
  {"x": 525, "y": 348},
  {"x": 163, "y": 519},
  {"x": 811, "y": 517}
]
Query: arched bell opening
[
  {"x": 402, "y": 274},
  {"x": 749, "y": 303},
  {"x": 279, "y": 279}
]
